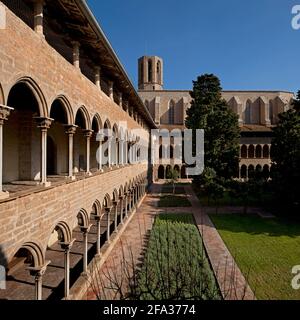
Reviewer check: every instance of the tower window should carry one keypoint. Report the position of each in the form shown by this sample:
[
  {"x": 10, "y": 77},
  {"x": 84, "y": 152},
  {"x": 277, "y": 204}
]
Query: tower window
[{"x": 149, "y": 71}]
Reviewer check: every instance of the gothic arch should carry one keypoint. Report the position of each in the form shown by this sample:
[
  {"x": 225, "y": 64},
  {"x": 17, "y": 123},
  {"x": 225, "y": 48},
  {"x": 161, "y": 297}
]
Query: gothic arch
[
  {"x": 97, "y": 123},
  {"x": 66, "y": 106},
  {"x": 96, "y": 209},
  {"x": 32, "y": 250},
  {"x": 83, "y": 118},
  {"x": 37, "y": 93},
  {"x": 83, "y": 218}
]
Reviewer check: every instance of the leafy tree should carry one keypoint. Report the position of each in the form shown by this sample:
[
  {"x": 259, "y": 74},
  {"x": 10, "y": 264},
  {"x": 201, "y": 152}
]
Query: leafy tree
[
  {"x": 173, "y": 176},
  {"x": 285, "y": 155},
  {"x": 209, "y": 111}
]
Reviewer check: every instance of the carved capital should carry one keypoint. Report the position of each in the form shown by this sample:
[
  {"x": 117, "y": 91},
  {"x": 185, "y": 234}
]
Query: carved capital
[
  {"x": 88, "y": 133},
  {"x": 43, "y": 122},
  {"x": 71, "y": 129},
  {"x": 4, "y": 113}
]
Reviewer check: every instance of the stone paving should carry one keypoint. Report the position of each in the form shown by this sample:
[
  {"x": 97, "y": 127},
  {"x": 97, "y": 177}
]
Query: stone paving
[{"x": 232, "y": 282}]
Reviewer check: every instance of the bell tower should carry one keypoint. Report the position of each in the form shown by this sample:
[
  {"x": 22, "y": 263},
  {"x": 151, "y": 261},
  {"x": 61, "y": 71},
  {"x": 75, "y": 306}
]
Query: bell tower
[{"x": 150, "y": 73}]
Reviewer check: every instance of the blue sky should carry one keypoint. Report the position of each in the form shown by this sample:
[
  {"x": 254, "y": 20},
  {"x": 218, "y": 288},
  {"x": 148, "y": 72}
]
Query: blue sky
[{"x": 248, "y": 44}]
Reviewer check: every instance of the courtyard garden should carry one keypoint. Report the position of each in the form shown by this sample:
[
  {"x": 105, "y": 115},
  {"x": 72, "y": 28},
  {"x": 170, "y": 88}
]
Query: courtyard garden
[
  {"x": 265, "y": 250},
  {"x": 176, "y": 266}
]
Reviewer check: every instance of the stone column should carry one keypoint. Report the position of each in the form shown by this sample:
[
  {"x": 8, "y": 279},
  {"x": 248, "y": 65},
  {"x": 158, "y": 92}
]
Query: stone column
[
  {"x": 122, "y": 209},
  {"x": 85, "y": 231},
  {"x": 38, "y": 273},
  {"x": 98, "y": 77},
  {"x": 4, "y": 113},
  {"x": 88, "y": 134},
  {"x": 44, "y": 124},
  {"x": 71, "y": 130},
  {"x": 126, "y": 204},
  {"x": 98, "y": 220},
  {"x": 39, "y": 17},
  {"x": 109, "y": 153},
  {"x": 121, "y": 152},
  {"x": 115, "y": 203},
  {"x": 76, "y": 54},
  {"x": 117, "y": 156},
  {"x": 108, "y": 210},
  {"x": 100, "y": 139},
  {"x": 111, "y": 90},
  {"x": 67, "y": 248}
]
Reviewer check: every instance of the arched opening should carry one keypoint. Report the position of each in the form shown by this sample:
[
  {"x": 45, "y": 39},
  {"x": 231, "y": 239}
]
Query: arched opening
[
  {"x": 59, "y": 254},
  {"x": 96, "y": 127},
  {"x": 161, "y": 172},
  {"x": 20, "y": 282},
  {"x": 258, "y": 151},
  {"x": 244, "y": 152},
  {"x": 244, "y": 172},
  {"x": 150, "y": 73},
  {"x": 158, "y": 72},
  {"x": 266, "y": 152},
  {"x": 80, "y": 156},
  {"x": 251, "y": 151},
  {"x": 57, "y": 143},
  {"x": 177, "y": 170},
  {"x": 51, "y": 157},
  {"x": 21, "y": 142},
  {"x": 251, "y": 172}
]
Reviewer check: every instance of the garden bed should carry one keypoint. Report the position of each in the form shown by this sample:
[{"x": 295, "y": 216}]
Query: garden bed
[
  {"x": 173, "y": 201},
  {"x": 176, "y": 266}
]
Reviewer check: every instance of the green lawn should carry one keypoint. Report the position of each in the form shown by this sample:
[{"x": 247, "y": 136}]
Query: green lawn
[
  {"x": 175, "y": 265},
  {"x": 173, "y": 201},
  {"x": 268, "y": 248}
]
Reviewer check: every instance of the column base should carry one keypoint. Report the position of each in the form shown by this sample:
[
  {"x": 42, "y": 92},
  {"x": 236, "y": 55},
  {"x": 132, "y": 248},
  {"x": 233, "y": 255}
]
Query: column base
[
  {"x": 101, "y": 170},
  {"x": 45, "y": 184},
  {"x": 4, "y": 195},
  {"x": 72, "y": 178},
  {"x": 89, "y": 174}
]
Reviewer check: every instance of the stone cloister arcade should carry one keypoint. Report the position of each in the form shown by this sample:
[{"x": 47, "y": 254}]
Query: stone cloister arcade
[
  {"x": 255, "y": 159},
  {"x": 35, "y": 273},
  {"x": 41, "y": 146}
]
